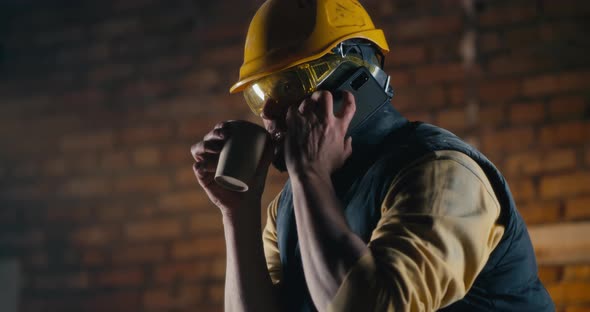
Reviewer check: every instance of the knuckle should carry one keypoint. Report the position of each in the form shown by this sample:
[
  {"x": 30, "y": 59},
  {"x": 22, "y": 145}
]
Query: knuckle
[{"x": 195, "y": 148}]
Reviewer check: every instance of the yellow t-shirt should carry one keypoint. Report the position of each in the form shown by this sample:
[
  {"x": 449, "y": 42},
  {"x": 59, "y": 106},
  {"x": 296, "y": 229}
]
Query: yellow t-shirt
[{"x": 437, "y": 229}]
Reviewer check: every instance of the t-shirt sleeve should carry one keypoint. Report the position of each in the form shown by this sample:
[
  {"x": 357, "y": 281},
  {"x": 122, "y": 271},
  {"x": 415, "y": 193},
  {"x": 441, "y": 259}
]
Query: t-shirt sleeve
[
  {"x": 437, "y": 229},
  {"x": 270, "y": 242}
]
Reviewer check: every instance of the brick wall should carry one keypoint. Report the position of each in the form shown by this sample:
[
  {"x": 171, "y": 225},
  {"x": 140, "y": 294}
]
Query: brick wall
[{"x": 101, "y": 100}]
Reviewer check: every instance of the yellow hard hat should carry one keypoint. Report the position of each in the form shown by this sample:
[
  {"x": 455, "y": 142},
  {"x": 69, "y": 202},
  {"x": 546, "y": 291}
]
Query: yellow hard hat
[{"x": 286, "y": 33}]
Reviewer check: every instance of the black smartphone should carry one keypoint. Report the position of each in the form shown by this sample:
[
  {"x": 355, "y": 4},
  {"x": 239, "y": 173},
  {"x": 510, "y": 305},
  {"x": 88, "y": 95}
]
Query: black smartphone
[{"x": 369, "y": 95}]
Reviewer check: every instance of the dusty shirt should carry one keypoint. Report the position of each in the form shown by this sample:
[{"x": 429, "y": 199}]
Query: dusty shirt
[{"x": 436, "y": 232}]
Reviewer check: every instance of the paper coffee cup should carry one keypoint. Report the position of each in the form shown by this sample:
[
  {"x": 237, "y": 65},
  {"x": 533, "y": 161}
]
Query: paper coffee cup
[{"x": 241, "y": 155}]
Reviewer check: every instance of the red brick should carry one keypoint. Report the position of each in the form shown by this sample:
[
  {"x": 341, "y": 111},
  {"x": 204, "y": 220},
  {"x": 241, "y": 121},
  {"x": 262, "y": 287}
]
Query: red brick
[
  {"x": 91, "y": 97},
  {"x": 419, "y": 98},
  {"x": 565, "y": 133},
  {"x": 186, "y": 200},
  {"x": 18, "y": 192},
  {"x": 565, "y": 185},
  {"x": 518, "y": 63},
  {"x": 88, "y": 141},
  {"x": 114, "y": 160},
  {"x": 144, "y": 89},
  {"x": 399, "y": 79},
  {"x": 522, "y": 190},
  {"x": 172, "y": 299},
  {"x": 93, "y": 258},
  {"x": 139, "y": 254},
  {"x": 440, "y": 53},
  {"x": 562, "y": 82},
  {"x": 540, "y": 212},
  {"x": 202, "y": 80},
  {"x": 65, "y": 214},
  {"x": 456, "y": 95},
  {"x": 85, "y": 187},
  {"x": 569, "y": 292},
  {"x": 117, "y": 27},
  {"x": 110, "y": 72},
  {"x": 490, "y": 41},
  {"x": 195, "y": 128},
  {"x": 218, "y": 269},
  {"x": 149, "y": 183},
  {"x": 54, "y": 167},
  {"x": 206, "y": 222},
  {"x": 452, "y": 120},
  {"x": 86, "y": 301},
  {"x": 224, "y": 54},
  {"x": 565, "y": 8},
  {"x": 200, "y": 247},
  {"x": 120, "y": 278},
  {"x": 99, "y": 51},
  {"x": 499, "y": 90},
  {"x": 511, "y": 139},
  {"x": 60, "y": 36},
  {"x": 495, "y": 16},
  {"x": 559, "y": 30},
  {"x": 93, "y": 235},
  {"x": 85, "y": 163},
  {"x": 578, "y": 209},
  {"x": 522, "y": 36},
  {"x": 183, "y": 271},
  {"x": 567, "y": 106},
  {"x": 186, "y": 176},
  {"x": 439, "y": 73},
  {"x": 147, "y": 157},
  {"x": 154, "y": 229},
  {"x": 426, "y": 27},
  {"x": 119, "y": 301},
  {"x": 527, "y": 113},
  {"x": 578, "y": 308},
  {"x": 216, "y": 293},
  {"x": 177, "y": 154},
  {"x": 112, "y": 212},
  {"x": 37, "y": 260},
  {"x": 577, "y": 272},
  {"x": 407, "y": 55},
  {"x": 540, "y": 162},
  {"x": 492, "y": 115},
  {"x": 73, "y": 280},
  {"x": 550, "y": 274},
  {"x": 588, "y": 157},
  {"x": 146, "y": 134}
]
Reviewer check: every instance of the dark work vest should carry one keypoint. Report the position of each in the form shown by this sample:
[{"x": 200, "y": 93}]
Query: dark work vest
[{"x": 381, "y": 148}]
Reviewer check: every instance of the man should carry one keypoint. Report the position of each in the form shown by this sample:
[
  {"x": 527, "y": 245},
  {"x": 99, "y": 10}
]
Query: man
[{"x": 379, "y": 213}]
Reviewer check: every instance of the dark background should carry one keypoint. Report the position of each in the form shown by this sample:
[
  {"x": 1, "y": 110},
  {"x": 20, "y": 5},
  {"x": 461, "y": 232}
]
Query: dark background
[{"x": 100, "y": 102}]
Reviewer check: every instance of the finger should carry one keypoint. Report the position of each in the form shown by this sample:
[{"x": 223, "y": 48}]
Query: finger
[
  {"x": 348, "y": 108},
  {"x": 303, "y": 107},
  {"x": 204, "y": 178},
  {"x": 203, "y": 147},
  {"x": 217, "y": 133},
  {"x": 222, "y": 125},
  {"x": 291, "y": 116},
  {"x": 325, "y": 102},
  {"x": 207, "y": 163}
]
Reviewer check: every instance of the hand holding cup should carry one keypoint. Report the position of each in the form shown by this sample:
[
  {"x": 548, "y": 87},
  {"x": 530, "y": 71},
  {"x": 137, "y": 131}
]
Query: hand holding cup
[{"x": 231, "y": 163}]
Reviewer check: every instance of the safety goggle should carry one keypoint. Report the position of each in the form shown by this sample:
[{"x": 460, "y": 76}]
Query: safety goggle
[{"x": 295, "y": 83}]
